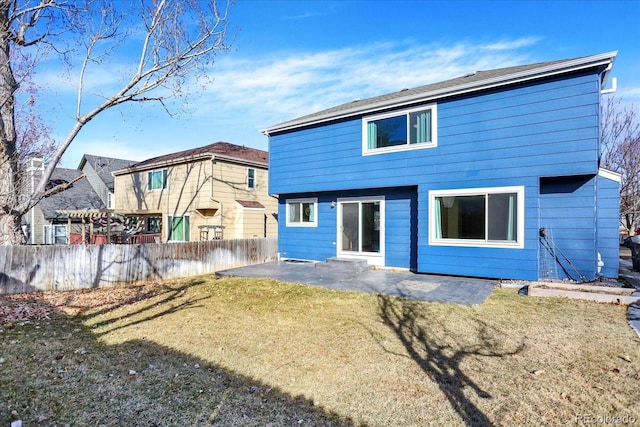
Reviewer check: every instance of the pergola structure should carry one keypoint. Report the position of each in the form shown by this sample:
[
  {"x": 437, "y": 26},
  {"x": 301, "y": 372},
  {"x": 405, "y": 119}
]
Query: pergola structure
[{"x": 88, "y": 216}]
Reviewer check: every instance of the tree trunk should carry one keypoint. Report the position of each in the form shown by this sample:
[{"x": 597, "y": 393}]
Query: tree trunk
[
  {"x": 10, "y": 217},
  {"x": 10, "y": 230}
]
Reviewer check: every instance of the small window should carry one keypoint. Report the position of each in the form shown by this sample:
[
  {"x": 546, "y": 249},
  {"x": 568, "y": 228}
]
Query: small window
[
  {"x": 397, "y": 131},
  {"x": 157, "y": 180},
  {"x": 477, "y": 217},
  {"x": 179, "y": 229},
  {"x": 154, "y": 224},
  {"x": 251, "y": 179},
  {"x": 110, "y": 200},
  {"x": 302, "y": 213},
  {"x": 55, "y": 234}
]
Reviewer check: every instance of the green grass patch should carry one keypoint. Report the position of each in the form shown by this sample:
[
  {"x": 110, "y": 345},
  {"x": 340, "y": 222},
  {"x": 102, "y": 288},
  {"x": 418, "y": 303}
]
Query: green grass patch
[{"x": 233, "y": 351}]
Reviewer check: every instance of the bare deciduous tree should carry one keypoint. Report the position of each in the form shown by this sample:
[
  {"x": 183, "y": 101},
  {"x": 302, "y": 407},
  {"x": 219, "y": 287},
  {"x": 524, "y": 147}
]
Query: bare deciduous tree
[
  {"x": 165, "y": 43},
  {"x": 621, "y": 153}
]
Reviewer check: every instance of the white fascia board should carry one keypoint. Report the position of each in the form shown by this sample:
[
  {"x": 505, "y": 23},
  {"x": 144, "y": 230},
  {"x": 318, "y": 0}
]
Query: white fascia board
[
  {"x": 613, "y": 176},
  {"x": 199, "y": 157},
  {"x": 490, "y": 83}
]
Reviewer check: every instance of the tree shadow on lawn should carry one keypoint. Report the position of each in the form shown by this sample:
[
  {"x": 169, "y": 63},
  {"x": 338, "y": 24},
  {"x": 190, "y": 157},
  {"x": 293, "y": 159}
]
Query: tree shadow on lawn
[
  {"x": 55, "y": 371},
  {"x": 438, "y": 359}
]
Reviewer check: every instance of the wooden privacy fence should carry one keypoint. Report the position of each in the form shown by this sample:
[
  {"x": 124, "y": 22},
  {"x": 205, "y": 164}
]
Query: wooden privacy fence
[{"x": 58, "y": 267}]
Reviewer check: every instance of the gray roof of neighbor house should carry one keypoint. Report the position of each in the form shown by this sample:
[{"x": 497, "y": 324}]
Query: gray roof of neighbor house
[
  {"x": 469, "y": 83},
  {"x": 104, "y": 166},
  {"x": 222, "y": 150},
  {"x": 80, "y": 196}
]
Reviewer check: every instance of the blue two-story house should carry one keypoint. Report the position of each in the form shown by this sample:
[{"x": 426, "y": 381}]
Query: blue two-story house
[{"x": 492, "y": 174}]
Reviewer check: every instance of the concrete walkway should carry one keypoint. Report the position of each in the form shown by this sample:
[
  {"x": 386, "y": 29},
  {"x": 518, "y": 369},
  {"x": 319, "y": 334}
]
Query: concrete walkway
[{"x": 354, "y": 276}]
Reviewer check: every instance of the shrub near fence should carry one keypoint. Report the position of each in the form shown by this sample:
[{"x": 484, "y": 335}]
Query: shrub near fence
[{"x": 57, "y": 267}]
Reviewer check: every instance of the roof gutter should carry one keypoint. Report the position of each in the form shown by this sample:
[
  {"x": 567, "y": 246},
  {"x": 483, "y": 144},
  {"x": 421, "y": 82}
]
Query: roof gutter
[
  {"x": 197, "y": 157},
  {"x": 572, "y": 65}
]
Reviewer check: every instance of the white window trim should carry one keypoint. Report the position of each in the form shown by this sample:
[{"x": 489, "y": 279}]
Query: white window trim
[
  {"x": 49, "y": 233},
  {"x": 518, "y": 244},
  {"x": 165, "y": 182},
  {"x": 314, "y": 223},
  {"x": 374, "y": 258},
  {"x": 169, "y": 226},
  {"x": 255, "y": 179},
  {"x": 407, "y": 147}
]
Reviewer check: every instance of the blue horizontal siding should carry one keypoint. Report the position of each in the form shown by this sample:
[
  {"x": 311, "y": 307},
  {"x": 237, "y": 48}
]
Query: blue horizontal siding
[
  {"x": 570, "y": 221},
  {"x": 319, "y": 243},
  {"x": 608, "y": 225},
  {"x": 500, "y": 138}
]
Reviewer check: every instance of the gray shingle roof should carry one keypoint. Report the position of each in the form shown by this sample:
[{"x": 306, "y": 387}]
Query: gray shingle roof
[
  {"x": 80, "y": 196},
  {"x": 472, "y": 82},
  {"x": 104, "y": 166}
]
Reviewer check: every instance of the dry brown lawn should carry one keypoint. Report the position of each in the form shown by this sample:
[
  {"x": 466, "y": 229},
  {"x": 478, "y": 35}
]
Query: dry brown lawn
[{"x": 235, "y": 352}]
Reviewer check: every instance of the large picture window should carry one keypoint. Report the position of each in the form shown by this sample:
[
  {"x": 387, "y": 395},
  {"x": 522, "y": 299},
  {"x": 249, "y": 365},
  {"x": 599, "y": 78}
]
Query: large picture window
[
  {"x": 302, "y": 213},
  {"x": 477, "y": 217},
  {"x": 400, "y": 130},
  {"x": 157, "y": 180}
]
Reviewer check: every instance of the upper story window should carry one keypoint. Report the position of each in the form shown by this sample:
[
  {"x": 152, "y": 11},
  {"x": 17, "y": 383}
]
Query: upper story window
[
  {"x": 251, "y": 179},
  {"x": 110, "y": 200},
  {"x": 302, "y": 213},
  {"x": 157, "y": 180},
  {"x": 477, "y": 217},
  {"x": 400, "y": 130}
]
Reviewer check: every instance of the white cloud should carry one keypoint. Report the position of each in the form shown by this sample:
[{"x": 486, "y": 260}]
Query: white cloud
[
  {"x": 512, "y": 44},
  {"x": 242, "y": 95},
  {"x": 286, "y": 85}
]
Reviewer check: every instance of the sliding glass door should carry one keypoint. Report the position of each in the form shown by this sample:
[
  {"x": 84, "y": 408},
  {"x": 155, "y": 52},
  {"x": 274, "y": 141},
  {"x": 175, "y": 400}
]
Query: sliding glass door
[{"x": 361, "y": 229}]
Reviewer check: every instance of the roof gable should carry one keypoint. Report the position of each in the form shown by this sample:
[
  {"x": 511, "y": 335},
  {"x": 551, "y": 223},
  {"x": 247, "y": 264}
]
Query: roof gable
[
  {"x": 220, "y": 149},
  {"x": 104, "y": 166},
  {"x": 469, "y": 83},
  {"x": 80, "y": 196}
]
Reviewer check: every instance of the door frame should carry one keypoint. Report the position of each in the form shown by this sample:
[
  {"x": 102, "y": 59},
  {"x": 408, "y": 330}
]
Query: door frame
[{"x": 372, "y": 258}]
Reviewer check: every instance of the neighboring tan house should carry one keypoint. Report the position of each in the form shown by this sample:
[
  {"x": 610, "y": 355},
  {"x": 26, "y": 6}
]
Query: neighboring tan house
[
  {"x": 45, "y": 223},
  {"x": 215, "y": 191},
  {"x": 99, "y": 171}
]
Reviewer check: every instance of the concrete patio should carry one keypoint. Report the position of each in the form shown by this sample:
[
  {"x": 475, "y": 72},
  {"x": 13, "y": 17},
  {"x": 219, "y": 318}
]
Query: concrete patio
[{"x": 357, "y": 276}]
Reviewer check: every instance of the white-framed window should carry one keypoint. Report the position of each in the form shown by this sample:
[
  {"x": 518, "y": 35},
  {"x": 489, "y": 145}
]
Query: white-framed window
[
  {"x": 302, "y": 213},
  {"x": 491, "y": 217},
  {"x": 157, "y": 180},
  {"x": 408, "y": 129},
  {"x": 251, "y": 179},
  {"x": 179, "y": 228},
  {"x": 55, "y": 234},
  {"x": 110, "y": 200}
]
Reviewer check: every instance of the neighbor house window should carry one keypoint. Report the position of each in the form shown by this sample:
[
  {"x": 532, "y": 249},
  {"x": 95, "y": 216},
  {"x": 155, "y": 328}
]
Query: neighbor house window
[
  {"x": 153, "y": 224},
  {"x": 110, "y": 200},
  {"x": 179, "y": 228},
  {"x": 55, "y": 234},
  {"x": 302, "y": 213},
  {"x": 251, "y": 179},
  {"x": 477, "y": 217},
  {"x": 400, "y": 130},
  {"x": 157, "y": 180}
]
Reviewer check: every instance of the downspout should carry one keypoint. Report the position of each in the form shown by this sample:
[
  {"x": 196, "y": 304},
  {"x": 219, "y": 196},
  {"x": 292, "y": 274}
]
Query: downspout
[
  {"x": 213, "y": 162},
  {"x": 605, "y": 76}
]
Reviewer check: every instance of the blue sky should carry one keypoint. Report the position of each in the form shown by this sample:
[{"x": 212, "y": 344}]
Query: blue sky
[{"x": 291, "y": 58}]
